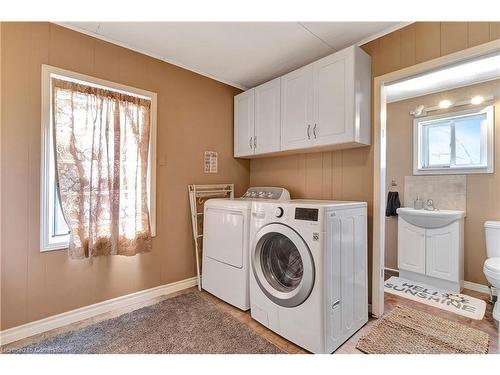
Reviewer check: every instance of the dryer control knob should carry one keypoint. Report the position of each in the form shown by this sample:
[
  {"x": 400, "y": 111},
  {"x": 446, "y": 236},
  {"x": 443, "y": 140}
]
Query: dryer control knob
[{"x": 278, "y": 212}]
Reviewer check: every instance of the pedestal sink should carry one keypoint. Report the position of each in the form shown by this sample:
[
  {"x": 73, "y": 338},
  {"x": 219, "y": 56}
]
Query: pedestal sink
[{"x": 430, "y": 219}]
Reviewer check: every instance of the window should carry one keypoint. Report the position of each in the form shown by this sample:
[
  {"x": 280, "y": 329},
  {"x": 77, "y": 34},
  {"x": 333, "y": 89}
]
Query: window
[
  {"x": 454, "y": 143},
  {"x": 54, "y": 229}
]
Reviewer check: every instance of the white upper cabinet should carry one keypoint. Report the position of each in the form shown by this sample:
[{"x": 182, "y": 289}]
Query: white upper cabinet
[
  {"x": 244, "y": 123},
  {"x": 324, "y": 106},
  {"x": 297, "y": 108},
  {"x": 342, "y": 100},
  {"x": 332, "y": 99},
  {"x": 267, "y": 117}
]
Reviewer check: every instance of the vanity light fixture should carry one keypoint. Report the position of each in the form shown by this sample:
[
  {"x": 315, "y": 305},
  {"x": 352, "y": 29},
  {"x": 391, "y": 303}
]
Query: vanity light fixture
[
  {"x": 421, "y": 110},
  {"x": 445, "y": 104},
  {"x": 478, "y": 99},
  {"x": 418, "y": 111}
]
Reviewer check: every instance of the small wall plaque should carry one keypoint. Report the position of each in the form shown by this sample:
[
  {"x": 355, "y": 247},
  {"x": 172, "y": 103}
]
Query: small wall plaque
[{"x": 210, "y": 162}]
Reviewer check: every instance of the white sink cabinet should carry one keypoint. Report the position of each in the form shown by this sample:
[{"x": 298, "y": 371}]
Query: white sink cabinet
[{"x": 431, "y": 247}]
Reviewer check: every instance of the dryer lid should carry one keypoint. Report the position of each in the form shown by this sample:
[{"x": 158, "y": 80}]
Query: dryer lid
[{"x": 228, "y": 203}]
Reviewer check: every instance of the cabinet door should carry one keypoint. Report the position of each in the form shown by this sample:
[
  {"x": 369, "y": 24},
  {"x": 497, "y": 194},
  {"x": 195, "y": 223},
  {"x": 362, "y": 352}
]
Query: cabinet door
[
  {"x": 244, "y": 123},
  {"x": 442, "y": 252},
  {"x": 411, "y": 247},
  {"x": 267, "y": 117},
  {"x": 296, "y": 109},
  {"x": 333, "y": 106}
]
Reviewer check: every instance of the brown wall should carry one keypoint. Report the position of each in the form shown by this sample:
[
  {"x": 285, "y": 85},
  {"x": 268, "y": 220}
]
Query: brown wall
[
  {"x": 483, "y": 190},
  {"x": 195, "y": 114},
  {"x": 348, "y": 174}
]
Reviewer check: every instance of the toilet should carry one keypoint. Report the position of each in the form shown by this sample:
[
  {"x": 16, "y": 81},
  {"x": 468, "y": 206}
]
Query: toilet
[{"x": 492, "y": 264}]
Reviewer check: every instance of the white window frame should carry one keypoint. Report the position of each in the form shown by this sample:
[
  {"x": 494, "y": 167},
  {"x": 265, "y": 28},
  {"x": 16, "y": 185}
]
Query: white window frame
[
  {"x": 47, "y": 178},
  {"x": 487, "y": 146}
]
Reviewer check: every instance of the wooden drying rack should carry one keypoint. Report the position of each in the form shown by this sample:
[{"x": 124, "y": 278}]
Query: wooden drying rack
[{"x": 198, "y": 194}]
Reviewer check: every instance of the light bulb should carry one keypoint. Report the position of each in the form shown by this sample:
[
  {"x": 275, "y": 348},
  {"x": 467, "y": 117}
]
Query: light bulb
[
  {"x": 478, "y": 99},
  {"x": 445, "y": 104}
]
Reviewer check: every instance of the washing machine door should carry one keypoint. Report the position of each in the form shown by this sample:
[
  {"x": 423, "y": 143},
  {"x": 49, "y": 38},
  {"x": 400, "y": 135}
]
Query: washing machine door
[{"x": 283, "y": 265}]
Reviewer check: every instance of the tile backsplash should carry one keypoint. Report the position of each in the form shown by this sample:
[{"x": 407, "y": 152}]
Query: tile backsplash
[{"x": 448, "y": 192}]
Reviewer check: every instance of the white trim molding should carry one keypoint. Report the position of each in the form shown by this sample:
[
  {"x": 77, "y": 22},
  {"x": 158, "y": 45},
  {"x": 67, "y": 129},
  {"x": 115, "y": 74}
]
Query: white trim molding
[
  {"x": 381, "y": 33},
  {"x": 391, "y": 269},
  {"x": 478, "y": 287},
  {"x": 72, "y": 316}
]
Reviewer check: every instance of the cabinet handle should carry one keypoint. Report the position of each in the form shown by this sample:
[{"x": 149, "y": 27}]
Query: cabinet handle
[
  {"x": 314, "y": 131},
  {"x": 250, "y": 142},
  {"x": 255, "y": 142},
  {"x": 308, "y": 131}
]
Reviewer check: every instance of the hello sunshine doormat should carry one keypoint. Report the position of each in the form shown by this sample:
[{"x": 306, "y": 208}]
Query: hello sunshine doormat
[{"x": 457, "y": 303}]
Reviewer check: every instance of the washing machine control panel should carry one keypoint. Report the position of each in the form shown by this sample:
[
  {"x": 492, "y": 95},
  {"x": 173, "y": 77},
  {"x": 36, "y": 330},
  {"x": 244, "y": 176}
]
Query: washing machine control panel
[
  {"x": 274, "y": 193},
  {"x": 308, "y": 214}
]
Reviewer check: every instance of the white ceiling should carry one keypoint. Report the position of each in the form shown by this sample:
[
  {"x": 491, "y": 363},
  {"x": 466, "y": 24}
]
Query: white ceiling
[
  {"x": 467, "y": 73},
  {"x": 242, "y": 54}
]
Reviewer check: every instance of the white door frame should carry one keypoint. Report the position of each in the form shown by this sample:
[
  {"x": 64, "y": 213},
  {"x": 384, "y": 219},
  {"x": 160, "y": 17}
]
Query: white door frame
[{"x": 379, "y": 143}]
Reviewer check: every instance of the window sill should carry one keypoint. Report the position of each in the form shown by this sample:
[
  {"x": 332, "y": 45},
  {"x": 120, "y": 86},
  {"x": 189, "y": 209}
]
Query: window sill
[
  {"x": 60, "y": 246},
  {"x": 49, "y": 248},
  {"x": 453, "y": 171}
]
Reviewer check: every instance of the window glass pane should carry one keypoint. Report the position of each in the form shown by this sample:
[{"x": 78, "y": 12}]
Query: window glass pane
[
  {"x": 459, "y": 143},
  {"x": 439, "y": 139},
  {"x": 468, "y": 140},
  {"x": 60, "y": 226}
]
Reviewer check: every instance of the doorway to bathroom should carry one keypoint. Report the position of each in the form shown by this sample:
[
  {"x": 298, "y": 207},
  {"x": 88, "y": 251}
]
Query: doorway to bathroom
[{"x": 434, "y": 139}]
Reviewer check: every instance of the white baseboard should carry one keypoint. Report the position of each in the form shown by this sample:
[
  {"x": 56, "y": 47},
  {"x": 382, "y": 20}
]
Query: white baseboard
[
  {"x": 477, "y": 287},
  {"x": 391, "y": 269},
  {"x": 56, "y": 321}
]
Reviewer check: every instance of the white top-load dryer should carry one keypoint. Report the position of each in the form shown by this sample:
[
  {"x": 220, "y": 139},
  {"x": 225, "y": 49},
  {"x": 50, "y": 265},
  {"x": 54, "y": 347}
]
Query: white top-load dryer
[
  {"x": 226, "y": 231},
  {"x": 309, "y": 270}
]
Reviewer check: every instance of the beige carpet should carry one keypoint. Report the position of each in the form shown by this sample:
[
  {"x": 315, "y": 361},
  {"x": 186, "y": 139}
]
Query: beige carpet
[
  {"x": 184, "y": 324},
  {"x": 408, "y": 331}
]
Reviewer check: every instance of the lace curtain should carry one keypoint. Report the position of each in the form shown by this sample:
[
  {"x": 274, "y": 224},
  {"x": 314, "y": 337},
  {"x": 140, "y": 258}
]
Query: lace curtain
[{"x": 101, "y": 141}]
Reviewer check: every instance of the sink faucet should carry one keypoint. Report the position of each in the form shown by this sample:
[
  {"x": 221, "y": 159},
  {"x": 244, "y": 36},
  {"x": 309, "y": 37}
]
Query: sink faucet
[{"x": 429, "y": 205}]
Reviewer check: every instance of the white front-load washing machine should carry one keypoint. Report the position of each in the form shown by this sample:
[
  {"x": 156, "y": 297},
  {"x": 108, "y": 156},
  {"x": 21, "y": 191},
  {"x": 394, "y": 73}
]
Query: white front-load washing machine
[
  {"x": 309, "y": 270},
  {"x": 226, "y": 240}
]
